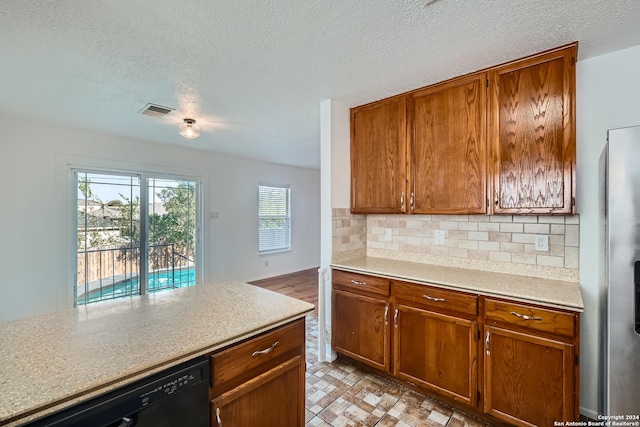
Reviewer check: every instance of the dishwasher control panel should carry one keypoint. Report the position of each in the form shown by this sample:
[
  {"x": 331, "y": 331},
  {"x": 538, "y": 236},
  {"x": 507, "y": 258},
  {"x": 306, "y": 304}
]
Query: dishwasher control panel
[
  {"x": 168, "y": 386},
  {"x": 183, "y": 391}
]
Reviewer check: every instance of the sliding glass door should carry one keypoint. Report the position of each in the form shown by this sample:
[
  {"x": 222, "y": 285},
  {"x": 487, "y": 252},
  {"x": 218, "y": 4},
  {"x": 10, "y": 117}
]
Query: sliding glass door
[{"x": 135, "y": 234}]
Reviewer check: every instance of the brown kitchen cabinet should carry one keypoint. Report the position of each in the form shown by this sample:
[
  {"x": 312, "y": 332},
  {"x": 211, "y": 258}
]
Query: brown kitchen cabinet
[
  {"x": 532, "y": 134},
  {"x": 261, "y": 381},
  {"x": 435, "y": 335},
  {"x": 448, "y": 148},
  {"x": 511, "y": 361},
  {"x": 530, "y": 364},
  {"x": 360, "y": 318},
  {"x": 498, "y": 141},
  {"x": 378, "y": 157}
]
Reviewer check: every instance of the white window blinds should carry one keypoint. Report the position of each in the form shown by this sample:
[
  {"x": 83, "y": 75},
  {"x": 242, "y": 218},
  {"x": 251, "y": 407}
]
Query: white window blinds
[{"x": 274, "y": 218}]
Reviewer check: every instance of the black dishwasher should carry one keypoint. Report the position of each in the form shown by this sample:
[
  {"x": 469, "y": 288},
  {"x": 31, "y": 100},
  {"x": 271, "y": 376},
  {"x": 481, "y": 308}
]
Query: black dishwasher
[{"x": 178, "y": 396}]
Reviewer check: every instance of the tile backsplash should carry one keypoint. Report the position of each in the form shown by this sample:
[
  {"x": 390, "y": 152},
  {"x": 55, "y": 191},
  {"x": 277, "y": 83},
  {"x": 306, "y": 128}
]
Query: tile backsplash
[
  {"x": 349, "y": 234},
  {"x": 500, "y": 243}
]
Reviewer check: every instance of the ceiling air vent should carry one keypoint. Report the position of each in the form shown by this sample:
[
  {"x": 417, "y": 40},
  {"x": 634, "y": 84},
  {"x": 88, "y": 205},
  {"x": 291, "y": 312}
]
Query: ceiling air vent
[{"x": 154, "y": 110}]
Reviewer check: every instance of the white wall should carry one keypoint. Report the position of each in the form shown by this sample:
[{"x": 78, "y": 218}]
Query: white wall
[
  {"x": 340, "y": 156},
  {"x": 608, "y": 90},
  {"x": 31, "y": 242},
  {"x": 334, "y": 157}
]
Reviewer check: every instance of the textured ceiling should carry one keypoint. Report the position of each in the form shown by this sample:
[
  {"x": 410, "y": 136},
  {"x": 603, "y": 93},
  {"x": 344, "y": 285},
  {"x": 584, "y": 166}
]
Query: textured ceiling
[{"x": 254, "y": 72}]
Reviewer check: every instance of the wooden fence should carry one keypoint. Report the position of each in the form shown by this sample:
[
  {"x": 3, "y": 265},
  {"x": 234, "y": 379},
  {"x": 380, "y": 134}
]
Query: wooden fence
[{"x": 98, "y": 264}]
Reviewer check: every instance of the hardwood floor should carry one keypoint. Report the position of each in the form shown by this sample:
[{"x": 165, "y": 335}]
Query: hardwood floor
[{"x": 302, "y": 285}]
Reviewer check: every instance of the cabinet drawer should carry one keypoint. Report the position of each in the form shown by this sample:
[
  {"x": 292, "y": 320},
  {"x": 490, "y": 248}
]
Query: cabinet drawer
[
  {"x": 439, "y": 299},
  {"x": 530, "y": 317},
  {"x": 360, "y": 283},
  {"x": 240, "y": 362}
]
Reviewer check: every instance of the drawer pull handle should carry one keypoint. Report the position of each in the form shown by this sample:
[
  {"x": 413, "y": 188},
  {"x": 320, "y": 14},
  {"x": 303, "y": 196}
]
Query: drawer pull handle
[
  {"x": 386, "y": 315},
  {"x": 218, "y": 417},
  {"x": 486, "y": 344},
  {"x": 266, "y": 350},
  {"x": 355, "y": 282},
  {"x": 435, "y": 299},
  {"x": 525, "y": 317}
]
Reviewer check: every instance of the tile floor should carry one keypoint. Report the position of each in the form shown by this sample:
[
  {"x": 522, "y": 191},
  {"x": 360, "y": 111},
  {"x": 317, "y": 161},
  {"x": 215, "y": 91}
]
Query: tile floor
[{"x": 340, "y": 395}]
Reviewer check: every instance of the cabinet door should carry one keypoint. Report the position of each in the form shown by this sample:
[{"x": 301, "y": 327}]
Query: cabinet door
[
  {"x": 436, "y": 351},
  {"x": 528, "y": 379},
  {"x": 274, "y": 398},
  {"x": 360, "y": 328},
  {"x": 532, "y": 134},
  {"x": 447, "y": 136},
  {"x": 378, "y": 157}
]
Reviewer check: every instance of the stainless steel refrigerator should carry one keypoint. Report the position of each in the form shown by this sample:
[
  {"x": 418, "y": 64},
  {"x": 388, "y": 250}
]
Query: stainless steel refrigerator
[{"x": 620, "y": 315}]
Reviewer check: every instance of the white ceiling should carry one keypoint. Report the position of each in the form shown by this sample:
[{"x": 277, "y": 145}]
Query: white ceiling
[{"x": 254, "y": 72}]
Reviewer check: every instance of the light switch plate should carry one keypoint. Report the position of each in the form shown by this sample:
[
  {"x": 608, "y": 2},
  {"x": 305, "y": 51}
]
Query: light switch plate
[
  {"x": 438, "y": 237},
  {"x": 542, "y": 242}
]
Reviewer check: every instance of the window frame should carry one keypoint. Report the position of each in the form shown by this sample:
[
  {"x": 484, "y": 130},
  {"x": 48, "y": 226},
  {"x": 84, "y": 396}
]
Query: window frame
[
  {"x": 288, "y": 217},
  {"x": 67, "y": 166}
]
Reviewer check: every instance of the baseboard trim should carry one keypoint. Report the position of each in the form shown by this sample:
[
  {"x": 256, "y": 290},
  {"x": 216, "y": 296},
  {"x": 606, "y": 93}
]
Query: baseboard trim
[{"x": 589, "y": 413}]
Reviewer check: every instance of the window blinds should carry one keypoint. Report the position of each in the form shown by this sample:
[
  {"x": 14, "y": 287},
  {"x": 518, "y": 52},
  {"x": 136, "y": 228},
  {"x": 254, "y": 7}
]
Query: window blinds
[{"x": 274, "y": 217}]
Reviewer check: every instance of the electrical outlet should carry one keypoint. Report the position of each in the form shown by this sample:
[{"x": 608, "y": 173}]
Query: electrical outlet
[
  {"x": 542, "y": 242},
  {"x": 266, "y": 263},
  {"x": 387, "y": 234},
  {"x": 328, "y": 333},
  {"x": 438, "y": 237}
]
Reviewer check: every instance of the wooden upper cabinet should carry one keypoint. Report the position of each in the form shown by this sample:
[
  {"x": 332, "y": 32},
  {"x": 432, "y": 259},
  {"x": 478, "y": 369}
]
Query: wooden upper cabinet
[
  {"x": 532, "y": 133},
  {"x": 378, "y": 157},
  {"x": 447, "y": 140},
  {"x": 456, "y": 146}
]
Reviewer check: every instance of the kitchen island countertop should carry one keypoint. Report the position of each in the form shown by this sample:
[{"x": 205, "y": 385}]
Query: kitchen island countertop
[
  {"x": 552, "y": 293},
  {"x": 52, "y": 361}
]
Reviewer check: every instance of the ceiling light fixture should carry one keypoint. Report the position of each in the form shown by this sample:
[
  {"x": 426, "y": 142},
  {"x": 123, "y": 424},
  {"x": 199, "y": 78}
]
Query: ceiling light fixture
[{"x": 189, "y": 129}]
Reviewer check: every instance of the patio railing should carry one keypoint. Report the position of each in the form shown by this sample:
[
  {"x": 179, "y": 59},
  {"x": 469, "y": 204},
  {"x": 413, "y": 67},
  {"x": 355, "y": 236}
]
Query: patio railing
[{"x": 113, "y": 273}]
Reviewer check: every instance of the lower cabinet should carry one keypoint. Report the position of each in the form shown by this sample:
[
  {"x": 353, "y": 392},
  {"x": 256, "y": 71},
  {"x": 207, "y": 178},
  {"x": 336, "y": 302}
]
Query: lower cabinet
[
  {"x": 435, "y": 335},
  {"x": 360, "y": 306},
  {"x": 437, "y": 352},
  {"x": 530, "y": 364},
  {"x": 515, "y": 362},
  {"x": 261, "y": 381},
  {"x": 364, "y": 328},
  {"x": 267, "y": 400}
]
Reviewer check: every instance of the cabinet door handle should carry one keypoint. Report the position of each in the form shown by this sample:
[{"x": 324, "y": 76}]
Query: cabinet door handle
[
  {"x": 218, "y": 417},
  {"x": 395, "y": 318},
  {"x": 486, "y": 344},
  {"x": 412, "y": 201},
  {"x": 266, "y": 350},
  {"x": 386, "y": 314},
  {"x": 525, "y": 317},
  {"x": 435, "y": 299},
  {"x": 402, "y": 201},
  {"x": 356, "y": 282}
]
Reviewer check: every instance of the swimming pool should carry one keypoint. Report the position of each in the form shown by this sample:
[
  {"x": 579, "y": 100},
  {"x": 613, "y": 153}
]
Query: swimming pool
[{"x": 159, "y": 280}]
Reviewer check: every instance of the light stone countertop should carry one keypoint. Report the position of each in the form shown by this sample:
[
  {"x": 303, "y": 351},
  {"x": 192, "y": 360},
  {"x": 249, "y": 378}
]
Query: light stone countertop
[
  {"x": 52, "y": 361},
  {"x": 551, "y": 293}
]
